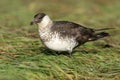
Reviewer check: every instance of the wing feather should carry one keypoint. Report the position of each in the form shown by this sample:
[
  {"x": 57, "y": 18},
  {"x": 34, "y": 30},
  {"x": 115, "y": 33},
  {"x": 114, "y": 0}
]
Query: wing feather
[{"x": 70, "y": 29}]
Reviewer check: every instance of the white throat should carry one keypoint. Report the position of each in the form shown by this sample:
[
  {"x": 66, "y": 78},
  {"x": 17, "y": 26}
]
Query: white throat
[
  {"x": 44, "y": 27},
  {"x": 45, "y": 22}
]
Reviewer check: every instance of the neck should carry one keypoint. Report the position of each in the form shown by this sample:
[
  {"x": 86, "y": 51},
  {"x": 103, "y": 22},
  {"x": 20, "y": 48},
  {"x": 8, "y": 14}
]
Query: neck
[
  {"x": 44, "y": 27},
  {"x": 46, "y": 22}
]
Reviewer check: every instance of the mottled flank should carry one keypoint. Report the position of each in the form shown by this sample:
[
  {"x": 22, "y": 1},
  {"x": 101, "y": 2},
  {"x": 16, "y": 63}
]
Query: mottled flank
[{"x": 70, "y": 29}]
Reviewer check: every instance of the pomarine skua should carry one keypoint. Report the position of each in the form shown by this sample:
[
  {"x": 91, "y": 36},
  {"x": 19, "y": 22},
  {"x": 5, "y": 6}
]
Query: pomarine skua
[{"x": 64, "y": 35}]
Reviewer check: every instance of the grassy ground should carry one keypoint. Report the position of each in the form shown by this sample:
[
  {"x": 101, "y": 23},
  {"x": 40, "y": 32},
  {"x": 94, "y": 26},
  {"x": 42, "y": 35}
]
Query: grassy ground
[{"x": 23, "y": 57}]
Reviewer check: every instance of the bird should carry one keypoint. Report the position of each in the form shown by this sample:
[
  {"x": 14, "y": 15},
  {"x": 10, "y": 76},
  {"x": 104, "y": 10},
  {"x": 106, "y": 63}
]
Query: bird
[{"x": 65, "y": 35}]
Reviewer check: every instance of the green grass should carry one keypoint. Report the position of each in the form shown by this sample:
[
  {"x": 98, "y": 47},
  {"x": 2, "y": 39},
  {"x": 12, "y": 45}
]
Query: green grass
[{"x": 23, "y": 57}]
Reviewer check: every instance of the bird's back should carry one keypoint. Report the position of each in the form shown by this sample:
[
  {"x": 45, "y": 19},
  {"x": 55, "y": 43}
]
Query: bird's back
[{"x": 72, "y": 30}]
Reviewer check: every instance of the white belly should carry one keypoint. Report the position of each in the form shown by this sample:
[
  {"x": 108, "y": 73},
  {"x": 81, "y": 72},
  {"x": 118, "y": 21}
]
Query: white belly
[
  {"x": 58, "y": 44},
  {"x": 55, "y": 42}
]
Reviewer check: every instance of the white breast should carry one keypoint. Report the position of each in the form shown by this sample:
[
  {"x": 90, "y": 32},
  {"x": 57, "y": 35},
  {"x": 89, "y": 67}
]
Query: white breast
[{"x": 61, "y": 44}]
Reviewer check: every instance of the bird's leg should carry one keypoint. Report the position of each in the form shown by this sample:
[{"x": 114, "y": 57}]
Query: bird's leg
[{"x": 70, "y": 53}]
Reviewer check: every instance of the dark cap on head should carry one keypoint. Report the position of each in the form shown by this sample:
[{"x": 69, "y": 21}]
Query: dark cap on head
[
  {"x": 37, "y": 18},
  {"x": 40, "y": 15}
]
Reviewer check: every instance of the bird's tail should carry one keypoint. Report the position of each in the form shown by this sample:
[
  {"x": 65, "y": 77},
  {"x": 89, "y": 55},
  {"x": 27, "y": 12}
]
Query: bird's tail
[
  {"x": 103, "y": 29},
  {"x": 99, "y": 36}
]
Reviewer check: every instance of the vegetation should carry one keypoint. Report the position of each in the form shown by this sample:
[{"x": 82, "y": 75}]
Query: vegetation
[{"x": 23, "y": 57}]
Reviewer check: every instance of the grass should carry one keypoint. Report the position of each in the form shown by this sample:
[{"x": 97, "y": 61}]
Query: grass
[{"x": 23, "y": 57}]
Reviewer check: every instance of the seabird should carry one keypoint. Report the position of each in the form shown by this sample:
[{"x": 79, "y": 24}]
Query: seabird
[{"x": 64, "y": 35}]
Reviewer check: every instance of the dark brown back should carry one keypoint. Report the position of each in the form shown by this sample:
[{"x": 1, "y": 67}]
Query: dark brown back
[{"x": 70, "y": 29}]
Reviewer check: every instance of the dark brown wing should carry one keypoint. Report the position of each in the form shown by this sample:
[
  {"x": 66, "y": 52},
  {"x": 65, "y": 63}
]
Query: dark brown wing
[{"x": 70, "y": 29}]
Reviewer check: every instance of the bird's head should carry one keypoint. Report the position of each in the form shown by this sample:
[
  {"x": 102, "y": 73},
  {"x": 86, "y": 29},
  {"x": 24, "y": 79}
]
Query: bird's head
[{"x": 38, "y": 18}]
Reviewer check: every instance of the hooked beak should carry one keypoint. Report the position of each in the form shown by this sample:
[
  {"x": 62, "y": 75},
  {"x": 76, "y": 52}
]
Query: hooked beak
[{"x": 32, "y": 22}]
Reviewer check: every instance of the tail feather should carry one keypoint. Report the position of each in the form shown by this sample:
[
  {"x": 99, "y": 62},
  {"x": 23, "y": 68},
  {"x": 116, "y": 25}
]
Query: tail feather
[
  {"x": 103, "y": 29},
  {"x": 99, "y": 35}
]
